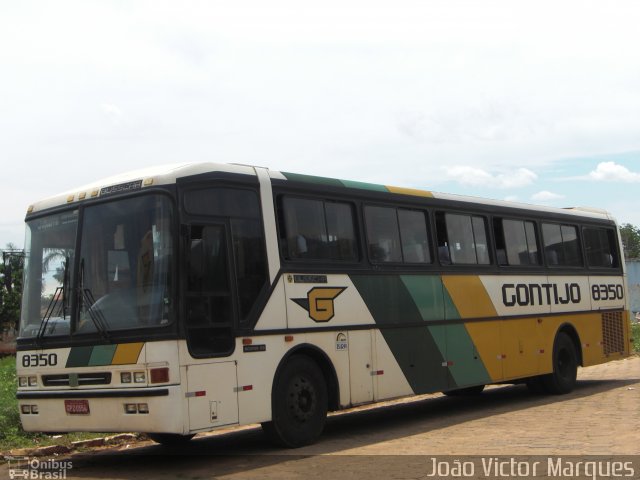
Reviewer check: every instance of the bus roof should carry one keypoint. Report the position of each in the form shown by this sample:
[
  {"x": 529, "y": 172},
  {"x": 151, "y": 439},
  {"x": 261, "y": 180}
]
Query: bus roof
[{"x": 170, "y": 173}]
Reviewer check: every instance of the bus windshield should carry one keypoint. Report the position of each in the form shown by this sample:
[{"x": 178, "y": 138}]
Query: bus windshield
[{"x": 118, "y": 278}]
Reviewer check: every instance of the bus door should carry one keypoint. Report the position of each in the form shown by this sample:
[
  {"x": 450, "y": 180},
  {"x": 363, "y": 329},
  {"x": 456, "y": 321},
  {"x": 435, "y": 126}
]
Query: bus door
[{"x": 209, "y": 319}]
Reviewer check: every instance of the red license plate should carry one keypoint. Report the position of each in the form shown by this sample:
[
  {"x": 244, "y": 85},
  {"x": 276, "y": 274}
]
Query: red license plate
[{"x": 76, "y": 407}]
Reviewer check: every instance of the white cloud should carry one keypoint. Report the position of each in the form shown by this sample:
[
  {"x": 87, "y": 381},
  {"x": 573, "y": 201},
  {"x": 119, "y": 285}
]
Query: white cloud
[
  {"x": 613, "y": 172},
  {"x": 476, "y": 177},
  {"x": 546, "y": 196}
]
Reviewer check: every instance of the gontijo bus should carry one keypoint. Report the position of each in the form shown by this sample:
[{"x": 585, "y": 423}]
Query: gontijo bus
[{"x": 181, "y": 299}]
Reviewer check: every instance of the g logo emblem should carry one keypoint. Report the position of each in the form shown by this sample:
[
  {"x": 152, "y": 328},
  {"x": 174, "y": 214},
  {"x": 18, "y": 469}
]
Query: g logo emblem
[{"x": 319, "y": 302}]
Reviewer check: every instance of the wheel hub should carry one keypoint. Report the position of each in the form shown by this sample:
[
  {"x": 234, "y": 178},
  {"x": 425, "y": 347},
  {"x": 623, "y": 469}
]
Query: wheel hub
[{"x": 301, "y": 399}]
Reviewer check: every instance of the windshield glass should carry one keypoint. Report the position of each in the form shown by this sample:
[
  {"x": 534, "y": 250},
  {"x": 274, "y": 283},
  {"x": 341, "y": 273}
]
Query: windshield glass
[
  {"x": 121, "y": 276},
  {"x": 49, "y": 248}
]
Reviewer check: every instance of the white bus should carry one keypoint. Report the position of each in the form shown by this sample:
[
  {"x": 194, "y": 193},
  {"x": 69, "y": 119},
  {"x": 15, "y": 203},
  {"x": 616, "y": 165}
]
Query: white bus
[{"x": 181, "y": 299}]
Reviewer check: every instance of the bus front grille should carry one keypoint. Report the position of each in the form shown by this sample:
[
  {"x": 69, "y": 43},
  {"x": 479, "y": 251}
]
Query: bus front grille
[
  {"x": 77, "y": 379},
  {"x": 612, "y": 332}
]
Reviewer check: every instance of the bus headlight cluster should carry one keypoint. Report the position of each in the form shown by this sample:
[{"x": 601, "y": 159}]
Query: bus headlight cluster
[
  {"x": 156, "y": 375},
  {"x": 29, "y": 409},
  {"x": 133, "y": 408},
  {"x": 135, "y": 377},
  {"x": 31, "y": 381}
]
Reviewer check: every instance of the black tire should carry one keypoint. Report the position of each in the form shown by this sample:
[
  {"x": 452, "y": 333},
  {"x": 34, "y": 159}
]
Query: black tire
[
  {"x": 170, "y": 439},
  {"x": 298, "y": 404},
  {"x": 465, "y": 392},
  {"x": 565, "y": 366}
]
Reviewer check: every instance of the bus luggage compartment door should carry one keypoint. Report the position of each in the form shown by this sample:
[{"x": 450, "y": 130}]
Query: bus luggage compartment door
[{"x": 212, "y": 395}]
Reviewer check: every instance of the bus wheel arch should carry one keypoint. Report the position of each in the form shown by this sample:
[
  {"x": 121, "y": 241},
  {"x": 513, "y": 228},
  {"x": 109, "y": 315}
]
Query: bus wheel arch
[
  {"x": 565, "y": 358},
  {"x": 570, "y": 330},
  {"x": 300, "y": 397},
  {"x": 325, "y": 364}
]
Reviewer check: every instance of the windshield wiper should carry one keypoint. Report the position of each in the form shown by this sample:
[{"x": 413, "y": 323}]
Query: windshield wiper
[
  {"x": 59, "y": 294},
  {"x": 96, "y": 316}
]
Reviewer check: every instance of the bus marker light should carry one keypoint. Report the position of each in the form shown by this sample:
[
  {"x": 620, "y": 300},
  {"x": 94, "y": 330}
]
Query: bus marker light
[
  {"x": 26, "y": 409},
  {"x": 125, "y": 377},
  {"x": 244, "y": 388},
  {"x": 288, "y": 338},
  {"x": 159, "y": 375},
  {"x": 377, "y": 372},
  {"x": 247, "y": 341},
  {"x": 33, "y": 381},
  {"x": 130, "y": 408},
  {"x": 143, "y": 408},
  {"x": 34, "y": 409},
  {"x": 139, "y": 377},
  {"x": 22, "y": 381}
]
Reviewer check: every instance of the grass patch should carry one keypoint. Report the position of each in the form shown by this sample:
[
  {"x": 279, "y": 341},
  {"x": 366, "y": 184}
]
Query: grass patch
[
  {"x": 11, "y": 433},
  {"x": 635, "y": 334}
]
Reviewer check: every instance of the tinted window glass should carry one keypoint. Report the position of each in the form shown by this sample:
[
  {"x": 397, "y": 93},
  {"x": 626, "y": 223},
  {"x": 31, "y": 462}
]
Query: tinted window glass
[
  {"x": 561, "y": 246},
  {"x": 520, "y": 247},
  {"x": 251, "y": 268},
  {"x": 383, "y": 237},
  {"x": 319, "y": 230},
  {"x": 462, "y": 239},
  {"x": 600, "y": 247},
  {"x": 413, "y": 231},
  {"x": 222, "y": 202}
]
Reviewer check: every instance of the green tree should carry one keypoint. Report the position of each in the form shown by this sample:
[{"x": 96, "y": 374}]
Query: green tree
[
  {"x": 630, "y": 240},
  {"x": 11, "y": 286}
]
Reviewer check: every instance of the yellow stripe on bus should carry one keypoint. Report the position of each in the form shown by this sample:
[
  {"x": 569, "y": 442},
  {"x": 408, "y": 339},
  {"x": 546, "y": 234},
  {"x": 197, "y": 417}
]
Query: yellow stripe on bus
[
  {"x": 469, "y": 296},
  {"x": 127, "y": 353},
  {"x": 410, "y": 191}
]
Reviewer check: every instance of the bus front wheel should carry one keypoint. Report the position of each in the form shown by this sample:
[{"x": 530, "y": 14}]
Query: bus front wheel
[
  {"x": 299, "y": 404},
  {"x": 565, "y": 366}
]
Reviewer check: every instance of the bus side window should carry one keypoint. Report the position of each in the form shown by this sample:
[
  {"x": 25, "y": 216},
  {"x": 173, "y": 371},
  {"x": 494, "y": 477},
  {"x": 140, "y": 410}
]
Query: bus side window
[
  {"x": 464, "y": 237},
  {"x": 561, "y": 245},
  {"x": 600, "y": 247},
  {"x": 516, "y": 242},
  {"x": 315, "y": 229}
]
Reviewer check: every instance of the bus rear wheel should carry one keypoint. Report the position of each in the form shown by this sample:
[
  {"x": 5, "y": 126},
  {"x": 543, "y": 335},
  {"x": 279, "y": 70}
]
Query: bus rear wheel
[
  {"x": 299, "y": 404},
  {"x": 565, "y": 366}
]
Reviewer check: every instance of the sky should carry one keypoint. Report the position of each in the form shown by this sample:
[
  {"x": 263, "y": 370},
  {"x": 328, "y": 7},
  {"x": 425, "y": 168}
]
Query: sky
[{"x": 531, "y": 101}]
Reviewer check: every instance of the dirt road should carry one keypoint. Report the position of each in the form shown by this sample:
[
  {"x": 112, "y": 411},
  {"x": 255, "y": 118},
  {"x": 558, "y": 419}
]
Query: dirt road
[{"x": 400, "y": 439}]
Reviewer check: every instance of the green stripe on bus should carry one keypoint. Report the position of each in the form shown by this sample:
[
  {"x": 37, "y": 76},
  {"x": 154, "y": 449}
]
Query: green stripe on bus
[
  {"x": 427, "y": 294},
  {"x": 387, "y": 298},
  {"x": 419, "y": 358},
  {"x": 79, "y": 357},
  {"x": 467, "y": 367},
  {"x": 102, "y": 355},
  {"x": 297, "y": 177},
  {"x": 365, "y": 186},
  {"x": 433, "y": 357},
  {"x": 414, "y": 348}
]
